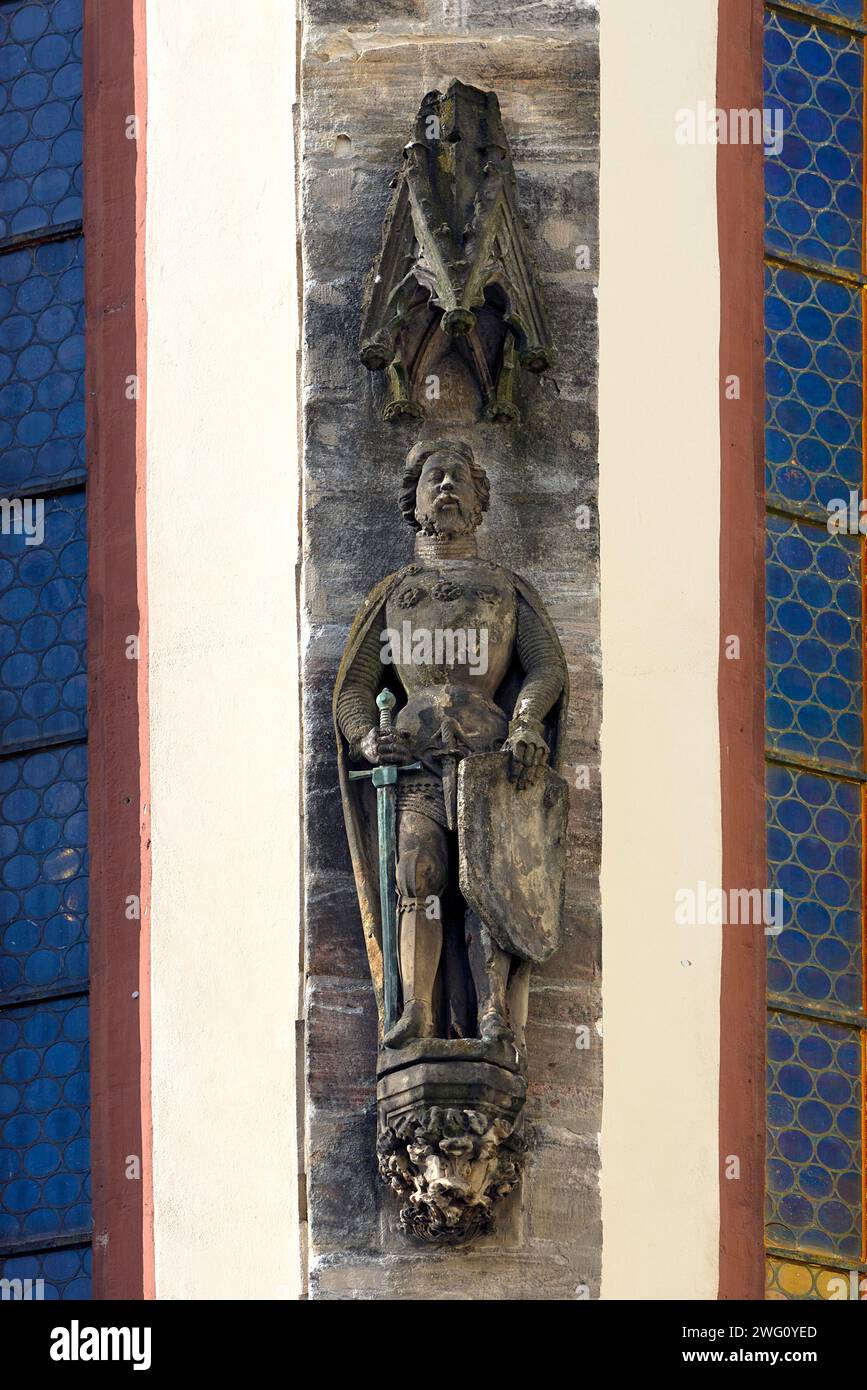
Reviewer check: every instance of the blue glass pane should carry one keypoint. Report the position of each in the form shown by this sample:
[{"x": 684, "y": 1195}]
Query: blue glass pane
[
  {"x": 44, "y": 1120},
  {"x": 814, "y": 663},
  {"x": 813, "y": 1196},
  {"x": 814, "y": 77},
  {"x": 43, "y": 871},
  {"x": 813, "y": 402},
  {"x": 814, "y": 862},
  {"x": 43, "y": 688},
  {"x": 40, "y": 115},
  {"x": 41, "y": 365},
  {"x": 64, "y": 1273}
]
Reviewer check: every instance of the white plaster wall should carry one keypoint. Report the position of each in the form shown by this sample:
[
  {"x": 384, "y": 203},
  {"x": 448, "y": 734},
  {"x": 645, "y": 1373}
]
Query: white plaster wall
[
  {"x": 222, "y": 521},
  {"x": 659, "y": 519}
]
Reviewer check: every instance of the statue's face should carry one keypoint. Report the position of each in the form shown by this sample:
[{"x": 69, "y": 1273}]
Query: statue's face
[{"x": 445, "y": 498}]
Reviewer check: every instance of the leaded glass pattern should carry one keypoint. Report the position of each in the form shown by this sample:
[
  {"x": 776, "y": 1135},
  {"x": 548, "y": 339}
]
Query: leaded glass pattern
[
  {"x": 813, "y": 187},
  {"x": 814, "y": 396},
  {"x": 43, "y": 627},
  {"x": 814, "y": 644},
  {"x": 64, "y": 1273},
  {"x": 40, "y": 115},
  {"x": 45, "y": 1216},
  {"x": 44, "y": 1119},
  {"x": 41, "y": 364},
  {"x": 815, "y": 785},
  {"x": 815, "y": 1108},
  {"x": 786, "y": 1279},
  {"x": 43, "y": 871},
  {"x": 814, "y": 854}
]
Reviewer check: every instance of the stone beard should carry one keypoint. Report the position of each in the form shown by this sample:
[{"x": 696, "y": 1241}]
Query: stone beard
[{"x": 461, "y": 976}]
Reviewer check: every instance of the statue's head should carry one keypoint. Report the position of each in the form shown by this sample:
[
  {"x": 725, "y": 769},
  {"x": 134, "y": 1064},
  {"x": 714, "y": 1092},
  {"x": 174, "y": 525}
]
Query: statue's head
[{"x": 444, "y": 491}]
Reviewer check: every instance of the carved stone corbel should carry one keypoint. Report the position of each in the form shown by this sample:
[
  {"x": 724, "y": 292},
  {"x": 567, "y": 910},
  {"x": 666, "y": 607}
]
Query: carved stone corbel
[{"x": 450, "y": 1143}]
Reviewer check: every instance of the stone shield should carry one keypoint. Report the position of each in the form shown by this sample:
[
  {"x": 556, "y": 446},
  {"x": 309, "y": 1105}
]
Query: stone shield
[{"x": 512, "y": 853}]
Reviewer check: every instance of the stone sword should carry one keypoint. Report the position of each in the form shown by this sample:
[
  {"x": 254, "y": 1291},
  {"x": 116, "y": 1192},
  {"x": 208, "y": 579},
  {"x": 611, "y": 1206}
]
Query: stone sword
[{"x": 384, "y": 778}]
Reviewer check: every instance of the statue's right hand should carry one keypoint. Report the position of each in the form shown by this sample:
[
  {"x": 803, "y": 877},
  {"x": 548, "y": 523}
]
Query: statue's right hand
[{"x": 385, "y": 747}]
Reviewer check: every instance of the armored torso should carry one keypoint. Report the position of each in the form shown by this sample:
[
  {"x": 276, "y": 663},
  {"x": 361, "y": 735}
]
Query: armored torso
[{"x": 453, "y": 626}]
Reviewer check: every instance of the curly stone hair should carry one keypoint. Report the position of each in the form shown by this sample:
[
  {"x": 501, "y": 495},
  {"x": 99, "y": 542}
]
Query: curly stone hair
[{"x": 415, "y": 462}]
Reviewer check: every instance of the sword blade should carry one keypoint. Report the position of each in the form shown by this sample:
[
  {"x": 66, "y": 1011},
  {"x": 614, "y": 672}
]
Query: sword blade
[{"x": 385, "y": 816}]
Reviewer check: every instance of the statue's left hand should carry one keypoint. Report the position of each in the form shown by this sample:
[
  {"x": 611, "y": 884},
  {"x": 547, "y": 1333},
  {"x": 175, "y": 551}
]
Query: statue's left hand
[{"x": 529, "y": 753}]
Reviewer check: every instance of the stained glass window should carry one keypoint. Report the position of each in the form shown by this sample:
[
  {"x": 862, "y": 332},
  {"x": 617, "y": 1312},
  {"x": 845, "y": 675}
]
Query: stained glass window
[
  {"x": 814, "y": 585},
  {"x": 45, "y": 1219}
]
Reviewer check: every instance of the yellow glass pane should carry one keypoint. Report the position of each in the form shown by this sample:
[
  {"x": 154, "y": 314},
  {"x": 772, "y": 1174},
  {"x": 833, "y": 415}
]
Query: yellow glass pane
[
  {"x": 790, "y": 1279},
  {"x": 795, "y": 1281}
]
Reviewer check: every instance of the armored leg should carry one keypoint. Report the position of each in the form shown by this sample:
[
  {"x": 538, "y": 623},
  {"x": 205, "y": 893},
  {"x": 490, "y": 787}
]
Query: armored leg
[
  {"x": 489, "y": 966},
  {"x": 422, "y": 875}
]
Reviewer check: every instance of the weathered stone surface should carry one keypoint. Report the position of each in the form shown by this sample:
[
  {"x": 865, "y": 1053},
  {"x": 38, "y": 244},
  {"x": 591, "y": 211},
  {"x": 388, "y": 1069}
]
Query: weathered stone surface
[
  {"x": 566, "y": 1046},
  {"x": 561, "y": 1167},
  {"x": 534, "y": 1273},
  {"x": 365, "y": 69},
  {"x": 341, "y": 1020},
  {"x": 344, "y": 1201},
  {"x": 331, "y": 902}
]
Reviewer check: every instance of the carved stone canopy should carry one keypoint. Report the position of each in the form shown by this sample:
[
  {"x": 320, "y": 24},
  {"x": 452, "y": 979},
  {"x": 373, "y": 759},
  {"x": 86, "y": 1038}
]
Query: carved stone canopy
[{"x": 454, "y": 292}]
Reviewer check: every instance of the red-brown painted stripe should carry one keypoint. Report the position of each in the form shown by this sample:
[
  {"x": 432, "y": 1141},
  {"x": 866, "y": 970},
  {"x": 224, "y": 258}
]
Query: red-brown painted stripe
[
  {"x": 741, "y": 683},
  {"x": 114, "y": 90}
]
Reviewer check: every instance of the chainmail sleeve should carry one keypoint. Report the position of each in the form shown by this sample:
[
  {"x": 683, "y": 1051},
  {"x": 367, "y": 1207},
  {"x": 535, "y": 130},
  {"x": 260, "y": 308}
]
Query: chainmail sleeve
[
  {"x": 357, "y": 713},
  {"x": 544, "y": 668}
]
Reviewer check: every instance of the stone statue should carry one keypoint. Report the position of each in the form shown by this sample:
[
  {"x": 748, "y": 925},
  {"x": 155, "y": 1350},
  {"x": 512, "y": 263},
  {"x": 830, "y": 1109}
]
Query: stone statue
[{"x": 474, "y": 665}]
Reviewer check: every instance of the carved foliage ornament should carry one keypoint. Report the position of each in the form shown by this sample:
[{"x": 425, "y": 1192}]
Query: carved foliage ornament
[{"x": 450, "y": 1166}]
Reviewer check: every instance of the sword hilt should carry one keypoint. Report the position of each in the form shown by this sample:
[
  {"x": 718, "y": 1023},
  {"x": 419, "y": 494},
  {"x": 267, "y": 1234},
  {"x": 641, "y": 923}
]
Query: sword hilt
[
  {"x": 385, "y": 703},
  {"x": 386, "y": 774}
]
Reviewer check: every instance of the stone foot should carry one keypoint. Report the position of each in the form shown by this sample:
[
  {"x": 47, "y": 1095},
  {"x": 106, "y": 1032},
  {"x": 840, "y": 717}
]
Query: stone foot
[
  {"x": 494, "y": 1028},
  {"x": 416, "y": 1021}
]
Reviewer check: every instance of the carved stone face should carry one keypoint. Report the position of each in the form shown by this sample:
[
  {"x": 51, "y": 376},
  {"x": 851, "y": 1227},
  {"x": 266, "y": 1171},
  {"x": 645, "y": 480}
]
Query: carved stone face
[{"x": 445, "y": 499}]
